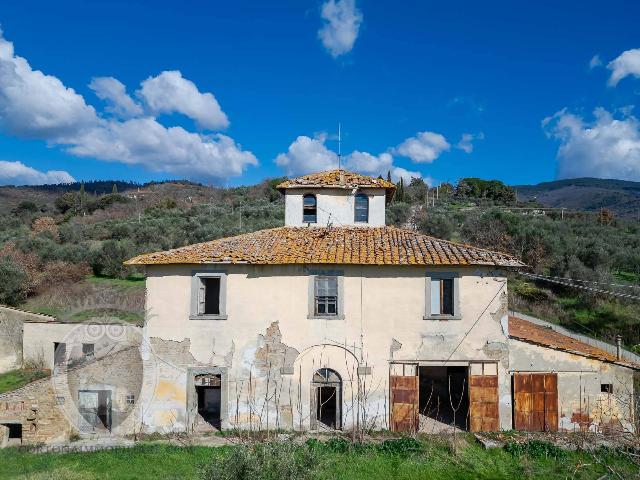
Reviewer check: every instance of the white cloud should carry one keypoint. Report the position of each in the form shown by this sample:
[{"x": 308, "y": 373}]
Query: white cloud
[
  {"x": 35, "y": 105},
  {"x": 341, "y": 26},
  {"x": 115, "y": 94},
  {"x": 170, "y": 92},
  {"x": 628, "y": 63},
  {"x": 466, "y": 141},
  {"x": 606, "y": 147},
  {"x": 306, "y": 155},
  {"x": 17, "y": 173},
  {"x": 425, "y": 147},
  {"x": 595, "y": 62}
]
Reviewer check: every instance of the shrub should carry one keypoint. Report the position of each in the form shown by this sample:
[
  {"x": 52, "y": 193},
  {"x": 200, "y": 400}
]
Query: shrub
[
  {"x": 265, "y": 461},
  {"x": 535, "y": 448},
  {"x": 13, "y": 283}
]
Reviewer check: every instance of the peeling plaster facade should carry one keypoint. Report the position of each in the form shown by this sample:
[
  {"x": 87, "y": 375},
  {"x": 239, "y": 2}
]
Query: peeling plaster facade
[{"x": 270, "y": 350}]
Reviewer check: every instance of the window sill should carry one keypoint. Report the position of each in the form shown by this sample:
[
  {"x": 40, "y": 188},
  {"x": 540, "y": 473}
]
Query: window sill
[
  {"x": 442, "y": 317},
  {"x": 207, "y": 317},
  {"x": 325, "y": 317}
]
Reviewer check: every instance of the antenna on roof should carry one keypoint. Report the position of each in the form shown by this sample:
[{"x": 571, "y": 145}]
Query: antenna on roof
[{"x": 339, "y": 148}]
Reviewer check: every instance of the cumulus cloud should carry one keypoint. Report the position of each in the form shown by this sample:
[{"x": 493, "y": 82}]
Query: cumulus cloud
[
  {"x": 307, "y": 155},
  {"x": 628, "y": 63},
  {"x": 17, "y": 173},
  {"x": 425, "y": 147},
  {"x": 606, "y": 147},
  {"x": 36, "y": 105},
  {"x": 115, "y": 94},
  {"x": 170, "y": 92},
  {"x": 595, "y": 62},
  {"x": 466, "y": 141},
  {"x": 342, "y": 21}
]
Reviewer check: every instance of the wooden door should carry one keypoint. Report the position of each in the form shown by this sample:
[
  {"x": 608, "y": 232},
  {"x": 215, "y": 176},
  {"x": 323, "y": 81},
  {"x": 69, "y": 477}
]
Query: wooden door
[
  {"x": 535, "y": 398},
  {"x": 404, "y": 403},
  {"x": 484, "y": 413}
]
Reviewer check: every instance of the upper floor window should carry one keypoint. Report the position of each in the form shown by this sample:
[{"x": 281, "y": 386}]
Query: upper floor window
[
  {"x": 326, "y": 297},
  {"x": 442, "y": 296},
  {"x": 208, "y": 295},
  {"x": 309, "y": 208},
  {"x": 361, "y": 208}
]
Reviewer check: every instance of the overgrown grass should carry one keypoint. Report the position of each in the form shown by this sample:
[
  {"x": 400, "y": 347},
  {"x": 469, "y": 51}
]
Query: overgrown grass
[
  {"x": 124, "y": 315},
  {"x": 17, "y": 378},
  {"x": 428, "y": 459},
  {"x": 133, "y": 281}
]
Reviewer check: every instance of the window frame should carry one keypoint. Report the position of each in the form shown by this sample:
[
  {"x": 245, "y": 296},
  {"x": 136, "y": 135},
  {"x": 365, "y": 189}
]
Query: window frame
[
  {"x": 428, "y": 314},
  {"x": 364, "y": 196},
  {"x": 312, "y": 315},
  {"x": 315, "y": 199},
  {"x": 197, "y": 285}
]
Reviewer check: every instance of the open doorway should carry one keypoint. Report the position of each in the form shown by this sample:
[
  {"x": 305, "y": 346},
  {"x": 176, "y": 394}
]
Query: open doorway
[
  {"x": 95, "y": 410},
  {"x": 209, "y": 398},
  {"x": 59, "y": 356},
  {"x": 326, "y": 399},
  {"x": 15, "y": 433},
  {"x": 443, "y": 397}
]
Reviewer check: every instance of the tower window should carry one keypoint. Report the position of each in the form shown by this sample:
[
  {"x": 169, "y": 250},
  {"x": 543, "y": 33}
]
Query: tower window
[
  {"x": 361, "y": 208},
  {"x": 309, "y": 208}
]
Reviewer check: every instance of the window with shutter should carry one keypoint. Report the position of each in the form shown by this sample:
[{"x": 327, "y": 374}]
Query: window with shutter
[
  {"x": 442, "y": 296},
  {"x": 208, "y": 296}
]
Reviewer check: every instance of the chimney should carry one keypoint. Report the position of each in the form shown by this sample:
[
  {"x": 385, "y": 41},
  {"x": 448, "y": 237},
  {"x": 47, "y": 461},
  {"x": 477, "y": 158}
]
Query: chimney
[
  {"x": 341, "y": 177},
  {"x": 618, "y": 347}
]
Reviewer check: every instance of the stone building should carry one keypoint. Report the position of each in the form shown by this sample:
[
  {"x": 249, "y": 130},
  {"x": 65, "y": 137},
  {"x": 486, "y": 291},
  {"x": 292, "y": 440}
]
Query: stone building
[{"x": 336, "y": 321}]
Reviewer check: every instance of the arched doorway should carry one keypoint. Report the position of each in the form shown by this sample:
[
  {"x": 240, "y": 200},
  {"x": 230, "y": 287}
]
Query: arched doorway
[{"x": 326, "y": 399}]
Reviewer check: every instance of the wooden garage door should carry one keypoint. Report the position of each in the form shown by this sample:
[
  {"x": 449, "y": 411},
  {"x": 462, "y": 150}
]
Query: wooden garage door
[
  {"x": 535, "y": 402},
  {"x": 404, "y": 403},
  {"x": 483, "y": 403}
]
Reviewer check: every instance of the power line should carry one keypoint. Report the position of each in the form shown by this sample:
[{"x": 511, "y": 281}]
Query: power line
[{"x": 582, "y": 287}]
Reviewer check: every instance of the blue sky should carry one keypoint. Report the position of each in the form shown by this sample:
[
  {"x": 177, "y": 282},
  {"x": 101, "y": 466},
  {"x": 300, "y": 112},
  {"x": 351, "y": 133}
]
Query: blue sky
[{"x": 406, "y": 79}]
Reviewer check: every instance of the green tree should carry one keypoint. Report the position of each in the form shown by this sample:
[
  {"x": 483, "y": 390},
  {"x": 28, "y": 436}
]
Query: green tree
[{"x": 13, "y": 283}]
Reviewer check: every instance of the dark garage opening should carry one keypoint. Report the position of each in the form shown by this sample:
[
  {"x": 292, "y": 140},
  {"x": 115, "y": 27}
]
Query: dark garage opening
[{"x": 443, "y": 390}]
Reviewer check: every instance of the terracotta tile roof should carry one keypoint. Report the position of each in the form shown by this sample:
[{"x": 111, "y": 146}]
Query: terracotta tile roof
[
  {"x": 331, "y": 179},
  {"x": 526, "y": 331},
  {"x": 330, "y": 245}
]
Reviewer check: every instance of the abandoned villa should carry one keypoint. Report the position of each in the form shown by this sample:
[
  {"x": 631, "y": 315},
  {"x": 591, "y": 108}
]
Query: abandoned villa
[{"x": 332, "y": 321}]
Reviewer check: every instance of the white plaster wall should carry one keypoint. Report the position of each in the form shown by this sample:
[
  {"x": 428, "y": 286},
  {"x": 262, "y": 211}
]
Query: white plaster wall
[
  {"x": 39, "y": 338},
  {"x": 579, "y": 380},
  {"x": 382, "y": 303},
  {"x": 335, "y": 206}
]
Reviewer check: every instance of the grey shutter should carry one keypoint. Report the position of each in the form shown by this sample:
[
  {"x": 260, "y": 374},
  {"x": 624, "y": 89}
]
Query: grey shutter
[{"x": 201, "y": 296}]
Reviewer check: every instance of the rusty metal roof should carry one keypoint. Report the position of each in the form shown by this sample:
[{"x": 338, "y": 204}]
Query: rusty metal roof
[
  {"x": 330, "y": 245},
  {"x": 526, "y": 331},
  {"x": 338, "y": 178}
]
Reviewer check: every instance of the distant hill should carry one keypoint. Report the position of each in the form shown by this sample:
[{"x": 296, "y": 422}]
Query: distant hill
[{"x": 620, "y": 196}]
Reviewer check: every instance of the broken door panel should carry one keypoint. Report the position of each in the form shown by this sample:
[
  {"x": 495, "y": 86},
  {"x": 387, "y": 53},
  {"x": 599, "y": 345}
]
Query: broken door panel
[
  {"x": 404, "y": 403},
  {"x": 483, "y": 405},
  {"x": 535, "y": 401}
]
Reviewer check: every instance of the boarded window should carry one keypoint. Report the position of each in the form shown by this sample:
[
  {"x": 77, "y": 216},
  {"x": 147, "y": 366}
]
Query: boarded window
[
  {"x": 361, "y": 208},
  {"x": 309, "y": 208},
  {"x": 442, "y": 296},
  {"x": 211, "y": 295},
  {"x": 326, "y": 295}
]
